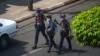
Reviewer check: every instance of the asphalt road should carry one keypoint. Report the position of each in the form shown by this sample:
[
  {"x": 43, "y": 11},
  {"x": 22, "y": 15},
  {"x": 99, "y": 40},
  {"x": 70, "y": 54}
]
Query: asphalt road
[{"x": 22, "y": 44}]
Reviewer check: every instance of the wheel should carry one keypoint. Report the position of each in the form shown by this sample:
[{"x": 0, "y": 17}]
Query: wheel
[{"x": 4, "y": 42}]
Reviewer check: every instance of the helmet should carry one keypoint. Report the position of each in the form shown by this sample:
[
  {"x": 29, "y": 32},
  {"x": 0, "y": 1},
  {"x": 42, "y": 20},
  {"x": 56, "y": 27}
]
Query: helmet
[
  {"x": 62, "y": 15},
  {"x": 38, "y": 10}
]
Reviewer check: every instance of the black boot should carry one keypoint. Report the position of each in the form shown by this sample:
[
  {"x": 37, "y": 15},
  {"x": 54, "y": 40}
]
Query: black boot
[
  {"x": 59, "y": 52},
  {"x": 49, "y": 51},
  {"x": 34, "y": 47},
  {"x": 47, "y": 43}
]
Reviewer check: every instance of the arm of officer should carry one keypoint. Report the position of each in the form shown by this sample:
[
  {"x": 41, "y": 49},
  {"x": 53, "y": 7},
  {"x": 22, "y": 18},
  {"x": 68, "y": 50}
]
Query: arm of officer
[
  {"x": 36, "y": 20},
  {"x": 69, "y": 28},
  {"x": 57, "y": 22}
]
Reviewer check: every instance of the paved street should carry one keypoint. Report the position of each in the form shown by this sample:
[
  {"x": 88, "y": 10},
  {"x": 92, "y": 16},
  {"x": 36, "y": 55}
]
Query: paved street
[{"x": 22, "y": 44}]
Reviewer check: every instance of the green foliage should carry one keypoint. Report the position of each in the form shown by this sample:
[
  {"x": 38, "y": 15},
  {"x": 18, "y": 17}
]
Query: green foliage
[{"x": 86, "y": 27}]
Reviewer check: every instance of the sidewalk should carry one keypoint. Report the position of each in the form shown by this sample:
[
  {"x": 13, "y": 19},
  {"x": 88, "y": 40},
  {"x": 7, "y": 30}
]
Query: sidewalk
[{"x": 19, "y": 13}]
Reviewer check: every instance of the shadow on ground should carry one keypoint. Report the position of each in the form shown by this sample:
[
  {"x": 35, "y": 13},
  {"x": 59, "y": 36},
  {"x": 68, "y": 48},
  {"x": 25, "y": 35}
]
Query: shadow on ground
[
  {"x": 79, "y": 51},
  {"x": 4, "y": 4},
  {"x": 17, "y": 48}
]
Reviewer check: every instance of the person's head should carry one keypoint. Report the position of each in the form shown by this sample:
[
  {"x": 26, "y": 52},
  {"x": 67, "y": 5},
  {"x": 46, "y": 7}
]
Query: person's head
[
  {"x": 38, "y": 10},
  {"x": 49, "y": 17},
  {"x": 62, "y": 15}
]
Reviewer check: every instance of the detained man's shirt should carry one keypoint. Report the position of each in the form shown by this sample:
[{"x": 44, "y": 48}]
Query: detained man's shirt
[{"x": 48, "y": 24}]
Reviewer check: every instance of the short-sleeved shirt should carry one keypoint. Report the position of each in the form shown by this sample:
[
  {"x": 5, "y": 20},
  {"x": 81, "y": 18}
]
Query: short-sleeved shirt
[{"x": 51, "y": 26}]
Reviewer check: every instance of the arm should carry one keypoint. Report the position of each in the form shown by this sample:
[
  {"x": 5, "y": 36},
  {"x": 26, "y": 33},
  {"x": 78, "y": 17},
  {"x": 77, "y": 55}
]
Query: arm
[
  {"x": 51, "y": 25},
  {"x": 36, "y": 20},
  {"x": 57, "y": 22},
  {"x": 44, "y": 17},
  {"x": 69, "y": 28}
]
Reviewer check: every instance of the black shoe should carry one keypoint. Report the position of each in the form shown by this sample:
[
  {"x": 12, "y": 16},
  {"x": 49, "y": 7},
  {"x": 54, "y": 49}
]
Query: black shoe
[
  {"x": 55, "y": 46},
  {"x": 59, "y": 52},
  {"x": 46, "y": 43},
  {"x": 49, "y": 51},
  {"x": 70, "y": 49},
  {"x": 34, "y": 47}
]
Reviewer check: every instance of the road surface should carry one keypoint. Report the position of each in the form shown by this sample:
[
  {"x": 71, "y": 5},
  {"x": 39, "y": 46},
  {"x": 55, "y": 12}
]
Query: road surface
[{"x": 22, "y": 44}]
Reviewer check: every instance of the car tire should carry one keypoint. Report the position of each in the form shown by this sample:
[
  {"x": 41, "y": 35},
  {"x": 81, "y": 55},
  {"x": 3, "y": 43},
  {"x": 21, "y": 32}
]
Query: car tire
[{"x": 4, "y": 42}]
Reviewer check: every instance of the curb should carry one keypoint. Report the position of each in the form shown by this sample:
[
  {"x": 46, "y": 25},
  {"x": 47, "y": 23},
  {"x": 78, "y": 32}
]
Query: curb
[
  {"x": 26, "y": 17},
  {"x": 59, "y": 5}
]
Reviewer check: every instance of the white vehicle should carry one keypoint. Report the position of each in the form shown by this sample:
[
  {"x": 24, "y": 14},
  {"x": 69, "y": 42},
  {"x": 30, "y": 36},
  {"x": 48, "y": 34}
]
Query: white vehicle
[{"x": 8, "y": 29}]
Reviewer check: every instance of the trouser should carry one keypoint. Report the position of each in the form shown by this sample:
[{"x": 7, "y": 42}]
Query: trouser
[
  {"x": 64, "y": 35},
  {"x": 40, "y": 28},
  {"x": 52, "y": 42}
]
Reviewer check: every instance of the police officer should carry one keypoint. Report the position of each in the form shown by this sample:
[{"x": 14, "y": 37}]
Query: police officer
[
  {"x": 64, "y": 32},
  {"x": 40, "y": 27}
]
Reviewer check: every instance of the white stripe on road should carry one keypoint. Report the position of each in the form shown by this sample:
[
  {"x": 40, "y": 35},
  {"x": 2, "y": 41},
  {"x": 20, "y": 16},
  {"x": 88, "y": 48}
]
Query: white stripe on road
[{"x": 32, "y": 52}]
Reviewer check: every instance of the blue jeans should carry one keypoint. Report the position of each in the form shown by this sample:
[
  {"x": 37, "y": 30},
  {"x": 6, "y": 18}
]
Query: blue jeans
[
  {"x": 52, "y": 42},
  {"x": 40, "y": 28}
]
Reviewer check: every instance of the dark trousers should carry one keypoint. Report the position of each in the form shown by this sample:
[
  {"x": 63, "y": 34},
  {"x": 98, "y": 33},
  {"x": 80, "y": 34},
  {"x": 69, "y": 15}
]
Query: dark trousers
[
  {"x": 40, "y": 28},
  {"x": 64, "y": 35},
  {"x": 52, "y": 42}
]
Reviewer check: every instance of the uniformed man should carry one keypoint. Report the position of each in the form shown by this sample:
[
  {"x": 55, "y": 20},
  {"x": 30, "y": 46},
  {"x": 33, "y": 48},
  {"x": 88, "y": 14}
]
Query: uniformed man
[
  {"x": 40, "y": 27},
  {"x": 64, "y": 32}
]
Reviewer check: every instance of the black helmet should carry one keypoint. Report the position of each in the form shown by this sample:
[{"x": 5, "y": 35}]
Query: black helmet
[
  {"x": 62, "y": 15},
  {"x": 38, "y": 10}
]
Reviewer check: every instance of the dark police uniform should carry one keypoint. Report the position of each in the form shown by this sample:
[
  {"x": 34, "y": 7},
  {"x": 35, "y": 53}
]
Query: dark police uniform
[
  {"x": 64, "y": 32},
  {"x": 40, "y": 27}
]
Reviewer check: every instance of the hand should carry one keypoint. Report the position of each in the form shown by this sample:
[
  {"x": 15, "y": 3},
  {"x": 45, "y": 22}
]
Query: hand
[
  {"x": 35, "y": 25},
  {"x": 69, "y": 34}
]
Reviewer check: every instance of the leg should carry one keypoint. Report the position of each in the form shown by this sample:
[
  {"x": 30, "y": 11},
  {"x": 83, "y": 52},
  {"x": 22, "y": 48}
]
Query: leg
[
  {"x": 55, "y": 45},
  {"x": 51, "y": 44},
  {"x": 36, "y": 38},
  {"x": 69, "y": 43},
  {"x": 44, "y": 34},
  {"x": 61, "y": 41}
]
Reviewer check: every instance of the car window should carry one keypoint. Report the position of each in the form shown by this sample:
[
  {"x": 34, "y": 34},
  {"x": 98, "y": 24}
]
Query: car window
[{"x": 1, "y": 25}]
